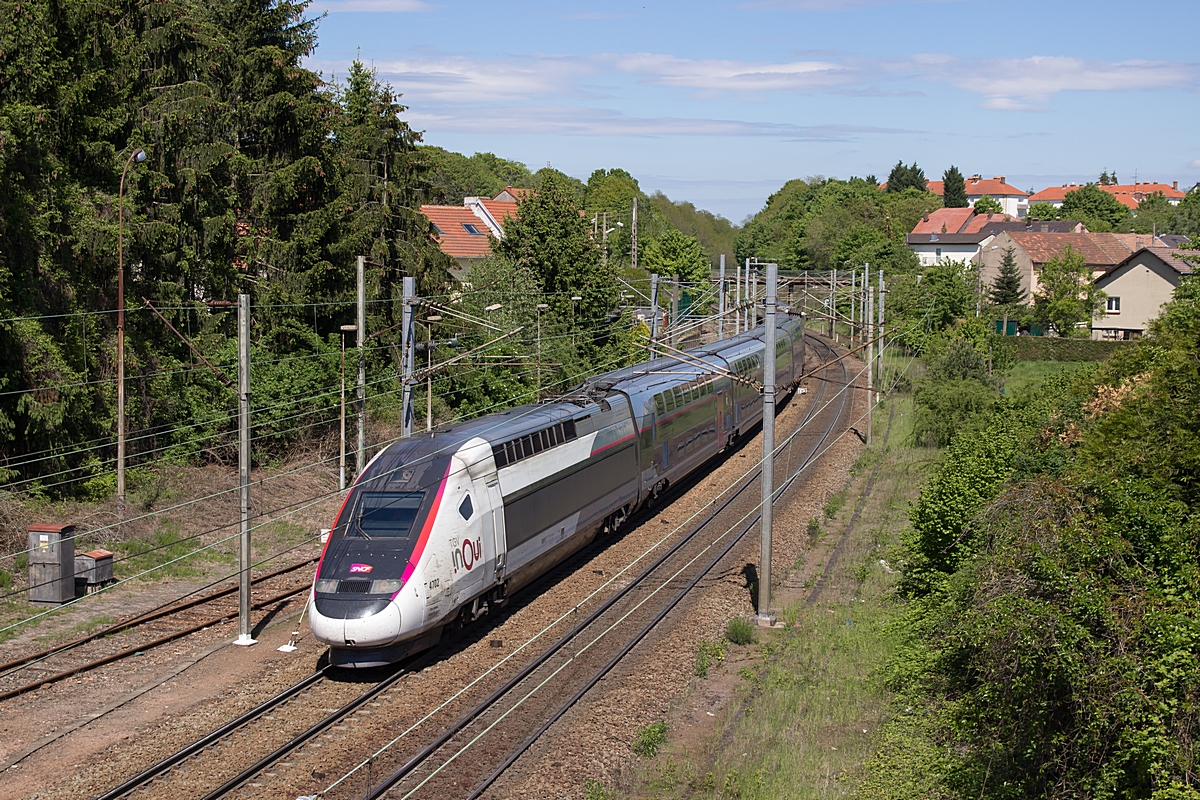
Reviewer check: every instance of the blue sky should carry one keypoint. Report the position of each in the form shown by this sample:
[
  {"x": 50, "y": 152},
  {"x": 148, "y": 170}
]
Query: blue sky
[{"x": 720, "y": 103}]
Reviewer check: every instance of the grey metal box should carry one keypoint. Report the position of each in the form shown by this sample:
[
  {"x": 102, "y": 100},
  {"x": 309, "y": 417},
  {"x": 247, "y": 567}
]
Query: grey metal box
[
  {"x": 51, "y": 564},
  {"x": 94, "y": 568}
]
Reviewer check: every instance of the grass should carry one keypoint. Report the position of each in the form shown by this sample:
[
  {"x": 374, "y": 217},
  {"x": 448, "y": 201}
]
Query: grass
[
  {"x": 1028, "y": 376},
  {"x": 739, "y": 631},
  {"x": 810, "y": 705}
]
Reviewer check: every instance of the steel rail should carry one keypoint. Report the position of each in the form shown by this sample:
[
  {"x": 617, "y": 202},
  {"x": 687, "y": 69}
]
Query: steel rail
[
  {"x": 187, "y": 751},
  {"x": 141, "y": 648},
  {"x": 141, "y": 619},
  {"x": 417, "y": 760},
  {"x": 529, "y": 742}
]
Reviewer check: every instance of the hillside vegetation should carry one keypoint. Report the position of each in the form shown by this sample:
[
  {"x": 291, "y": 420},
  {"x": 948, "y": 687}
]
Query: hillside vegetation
[{"x": 1054, "y": 564}]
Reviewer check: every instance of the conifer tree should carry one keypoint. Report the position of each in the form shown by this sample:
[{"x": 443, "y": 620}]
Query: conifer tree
[
  {"x": 910, "y": 177},
  {"x": 954, "y": 189},
  {"x": 1007, "y": 291}
]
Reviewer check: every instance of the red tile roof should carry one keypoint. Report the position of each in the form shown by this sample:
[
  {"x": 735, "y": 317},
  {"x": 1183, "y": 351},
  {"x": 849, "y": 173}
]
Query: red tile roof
[
  {"x": 1100, "y": 250},
  {"x": 944, "y": 220},
  {"x": 996, "y": 187},
  {"x": 499, "y": 209},
  {"x": 980, "y": 221},
  {"x": 454, "y": 238},
  {"x": 1130, "y": 194}
]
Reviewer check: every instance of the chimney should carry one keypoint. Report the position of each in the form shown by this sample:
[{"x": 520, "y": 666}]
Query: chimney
[
  {"x": 1175, "y": 185},
  {"x": 1002, "y": 179},
  {"x": 925, "y": 218}
]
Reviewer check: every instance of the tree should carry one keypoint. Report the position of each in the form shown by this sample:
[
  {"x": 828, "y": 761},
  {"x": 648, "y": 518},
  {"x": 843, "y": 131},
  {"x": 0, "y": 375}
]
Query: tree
[
  {"x": 1040, "y": 211},
  {"x": 1098, "y": 209},
  {"x": 1007, "y": 291},
  {"x": 952, "y": 284},
  {"x": 910, "y": 177},
  {"x": 1187, "y": 215},
  {"x": 676, "y": 253},
  {"x": 954, "y": 189},
  {"x": 1154, "y": 214},
  {"x": 1104, "y": 179},
  {"x": 988, "y": 205},
  {"x": 549, "y": 237},
  {"x": 1067, "y": 295}
]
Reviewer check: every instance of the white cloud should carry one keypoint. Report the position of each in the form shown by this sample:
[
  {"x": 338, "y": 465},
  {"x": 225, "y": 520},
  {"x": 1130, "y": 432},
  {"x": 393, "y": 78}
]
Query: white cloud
[
  {"x": 586, "y": 121},
  {"x": 457, "y": 79},
  {"x": 387, "y": 6},
  {"x": 1019, "y": 84},
  {"x": 726, "y": 75},
  {"x": 1195, "y": 164}
]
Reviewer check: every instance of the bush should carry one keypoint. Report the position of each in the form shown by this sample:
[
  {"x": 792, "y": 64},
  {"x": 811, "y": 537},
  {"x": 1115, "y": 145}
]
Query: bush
[
  {"x": 947, "y": 407},
  {"x": 739, "y": 631},
  {"x": 649, "y": 739},
  {"x": 1049, "y": 348}
]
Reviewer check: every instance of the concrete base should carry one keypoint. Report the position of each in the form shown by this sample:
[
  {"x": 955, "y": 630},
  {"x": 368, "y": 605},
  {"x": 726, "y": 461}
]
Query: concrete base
[
  {"x": 244, "y": 640},
  {"x": 766, "y": 621}
]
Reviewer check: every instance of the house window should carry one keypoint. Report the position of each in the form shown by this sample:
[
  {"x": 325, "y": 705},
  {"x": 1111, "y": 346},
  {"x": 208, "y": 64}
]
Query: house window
[
  {"x": 436, "y": 228},
  {"x": 472, "y": 229},
  {"x": 1113, "y": 305}
]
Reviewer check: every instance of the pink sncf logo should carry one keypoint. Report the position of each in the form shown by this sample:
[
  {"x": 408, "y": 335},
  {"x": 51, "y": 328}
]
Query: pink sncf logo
[{"x": 361, "y": 569}]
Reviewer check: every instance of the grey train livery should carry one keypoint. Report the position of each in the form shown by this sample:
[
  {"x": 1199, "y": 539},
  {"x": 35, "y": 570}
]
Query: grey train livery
[{"x": 440, "y": 527}]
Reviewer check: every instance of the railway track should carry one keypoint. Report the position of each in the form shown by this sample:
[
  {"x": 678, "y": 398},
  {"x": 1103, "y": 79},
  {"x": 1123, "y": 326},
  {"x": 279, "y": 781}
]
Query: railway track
[
  {"x": 248, "y": 748},
  {"x": 153, "y": 629},
  {"x": 523, "y": 709}
]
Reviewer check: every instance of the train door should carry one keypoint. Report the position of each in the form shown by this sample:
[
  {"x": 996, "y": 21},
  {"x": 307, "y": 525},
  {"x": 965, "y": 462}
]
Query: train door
[
  {"x": 467, "y": 550},
  {"x": 493, "y": 533}
]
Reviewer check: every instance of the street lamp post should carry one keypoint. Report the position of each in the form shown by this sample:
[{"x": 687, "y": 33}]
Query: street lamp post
[
  {"x": 342, "y": 451},
  {"x": 138, "y": 155},
  {"x": 540, "y": 306},
  {"x": 428, "y": 369}
]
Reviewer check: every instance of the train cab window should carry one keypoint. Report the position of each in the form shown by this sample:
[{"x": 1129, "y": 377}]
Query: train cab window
[
  {"x": 385, "y": 514},
  {"x": 465, "y": 509}
]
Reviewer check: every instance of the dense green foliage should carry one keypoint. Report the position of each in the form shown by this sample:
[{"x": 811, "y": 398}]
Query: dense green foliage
[
  {"x": 260, "y": 178},
  {"x": 715, "y": 234},
  {"x": 824, "y": 223},
  {"x": 910, "y": 177},
  {"x": 1052, "y": 574},
  {"x": 1043, "y": 211},
  {"x": 675, "y": 253},
  {"x": 1096, "y": 208},
  {"x": 954, "y": 189},
  {"x": 1067, "y": 297},
  {"x": 988, "y": 205},
  {"x": 454, "y": 176}
]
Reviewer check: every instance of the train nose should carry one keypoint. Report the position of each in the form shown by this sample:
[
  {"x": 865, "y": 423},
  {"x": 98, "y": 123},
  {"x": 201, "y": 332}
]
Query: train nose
[{"x": 371, "y": 631}]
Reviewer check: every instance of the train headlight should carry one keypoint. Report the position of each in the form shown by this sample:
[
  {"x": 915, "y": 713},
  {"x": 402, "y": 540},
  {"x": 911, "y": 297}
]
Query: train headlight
[
  {"x": 386, "y": 587},
  {"x": 326, "y": 585}
]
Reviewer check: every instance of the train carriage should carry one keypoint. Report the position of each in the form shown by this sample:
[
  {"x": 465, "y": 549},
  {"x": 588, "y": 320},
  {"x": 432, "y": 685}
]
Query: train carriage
[{"x": 439, "y": 528}]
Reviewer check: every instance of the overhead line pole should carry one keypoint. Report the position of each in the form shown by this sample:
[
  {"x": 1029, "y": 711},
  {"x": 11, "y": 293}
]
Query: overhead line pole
[
  {"x": 406, "y": 357},
  {"x": 360, "y": 407},
  {"x": 721, "y": 299},
  {"x": 244, "y": 555},
  {"x": 870, "y": 361},
  {"x": 653, "y": 308},
  {"x": 764, "y": 617}
]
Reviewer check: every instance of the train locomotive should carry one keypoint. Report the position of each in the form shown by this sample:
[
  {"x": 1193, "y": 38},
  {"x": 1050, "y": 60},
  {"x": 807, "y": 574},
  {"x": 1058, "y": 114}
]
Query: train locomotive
[{"x": 439, "y": 528}]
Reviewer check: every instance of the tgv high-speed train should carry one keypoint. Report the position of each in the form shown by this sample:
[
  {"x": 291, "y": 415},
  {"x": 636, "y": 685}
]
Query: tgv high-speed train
[{"x": 438, "y": 528}]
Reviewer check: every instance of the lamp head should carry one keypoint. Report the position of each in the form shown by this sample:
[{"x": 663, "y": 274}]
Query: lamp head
[
  {"x": 494, "y": 307},
  {"x": 139, "y": 155},
  {"x": 543, "y": 305}
]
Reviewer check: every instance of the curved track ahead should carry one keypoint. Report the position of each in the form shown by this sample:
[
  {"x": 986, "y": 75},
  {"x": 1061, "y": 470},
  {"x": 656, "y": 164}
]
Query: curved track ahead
[{"x": 520, "y": 710}]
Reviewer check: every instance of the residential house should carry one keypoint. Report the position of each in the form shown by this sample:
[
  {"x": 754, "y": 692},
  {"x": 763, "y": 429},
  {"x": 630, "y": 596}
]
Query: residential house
[
  {"x": 1130, "y": 194},
  {"x": 958, "y": 234},
  {"x": 1137, "y": 287},
  {"x": 512, "y": 194},
  {"x": 465, "y": 232},
  {"x": 1013, "y": 201}
]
